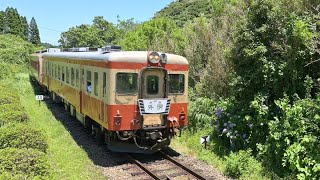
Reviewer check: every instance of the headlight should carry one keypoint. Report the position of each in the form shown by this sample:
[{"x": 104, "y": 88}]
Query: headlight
[{"x": 153, "y": 57}]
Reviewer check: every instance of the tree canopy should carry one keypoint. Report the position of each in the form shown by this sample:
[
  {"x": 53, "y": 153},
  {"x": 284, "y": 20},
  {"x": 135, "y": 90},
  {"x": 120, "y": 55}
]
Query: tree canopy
[
  {"x": 99, "y": 34},
  {"x": 34, "y": 36},
  {"x": 11, "y": 22}
]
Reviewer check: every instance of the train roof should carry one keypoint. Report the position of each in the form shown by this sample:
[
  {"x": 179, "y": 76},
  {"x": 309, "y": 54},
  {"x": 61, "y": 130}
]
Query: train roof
[{"x": 116, "y": 56}]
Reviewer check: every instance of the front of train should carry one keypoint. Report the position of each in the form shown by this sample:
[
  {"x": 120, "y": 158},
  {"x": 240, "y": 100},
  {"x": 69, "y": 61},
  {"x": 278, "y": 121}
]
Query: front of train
[{"x": 161, "y": 104}]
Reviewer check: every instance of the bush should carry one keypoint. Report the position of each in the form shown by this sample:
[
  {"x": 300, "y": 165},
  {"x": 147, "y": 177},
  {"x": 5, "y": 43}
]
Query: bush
[
  {"x": 8, "y": 98},
  {"x": 200, "y": 113},
  {"x": 292, "y": 146},
  {"x": 12, "y": 117},
  {"x": 9, "y": 107},
  {"x": 242, "y": 164},
  {"x": 14, "y": 50},
  {"x": 6, "y": 70},
  {"x": 26, "y": 163},
  {"x": 22, "y": 136}
]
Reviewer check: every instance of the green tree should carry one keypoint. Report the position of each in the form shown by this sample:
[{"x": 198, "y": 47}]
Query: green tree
[
  {"x": 272, "y": 50},
  {"x": 99, "y": 34},
  {"x": 34, "y": 36},
  {"x": 24, "y": 27},
  {"x": 158, "y": 34},
  {"x": 123, "y": 27},
  {"x": 2, "y": 21},
  {"x": 184, "y": 11},
  {"x": 106, "y": 30},
  {"x": 12, "y": 23},
  {"x": 81, "y": 36}
]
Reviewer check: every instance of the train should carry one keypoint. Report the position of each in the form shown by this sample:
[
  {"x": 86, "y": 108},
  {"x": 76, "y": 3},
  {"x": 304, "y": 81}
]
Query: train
[{"x": 137, "y": 101}]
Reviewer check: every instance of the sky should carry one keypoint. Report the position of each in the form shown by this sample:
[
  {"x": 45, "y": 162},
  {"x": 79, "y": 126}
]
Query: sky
[{"x": 55, "y": 17}]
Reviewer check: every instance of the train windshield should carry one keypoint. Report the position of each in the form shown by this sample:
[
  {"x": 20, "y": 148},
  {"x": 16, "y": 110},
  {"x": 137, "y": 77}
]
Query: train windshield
[{"x": 127, "y": 83}]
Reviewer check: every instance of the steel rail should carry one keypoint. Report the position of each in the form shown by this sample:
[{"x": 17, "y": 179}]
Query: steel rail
[
  {"x": 198, "y": 176},
  {"x": 145, "y": 169}
]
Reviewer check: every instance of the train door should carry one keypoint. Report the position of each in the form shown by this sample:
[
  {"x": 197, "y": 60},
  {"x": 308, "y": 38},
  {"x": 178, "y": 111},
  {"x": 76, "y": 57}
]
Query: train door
[
  {"x": 154, "y": 84},
  {"x": 104, "y": 97},
  {"x": 153, "y": 91}
]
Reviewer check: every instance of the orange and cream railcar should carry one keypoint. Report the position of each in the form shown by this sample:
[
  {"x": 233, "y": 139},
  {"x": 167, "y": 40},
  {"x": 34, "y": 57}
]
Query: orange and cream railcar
[{"x": 137, "y": 99}]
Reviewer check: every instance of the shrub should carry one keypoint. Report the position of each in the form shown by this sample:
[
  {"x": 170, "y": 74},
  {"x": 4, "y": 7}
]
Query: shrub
[
  {"x": 200, "y": 113},
  {"x": 26, "y": 163},
  {"x": 8, "y": 98},
  {"x": 292, "y": 146},
  {"x": 12, "y": 117},
  {"x": 242, "y": 164},
  {"x": 9, "y": 107},
  {"x": 14, "y": 50},
  {"x": 22, "y": 136},
  {"x": 6, "y": 70}
]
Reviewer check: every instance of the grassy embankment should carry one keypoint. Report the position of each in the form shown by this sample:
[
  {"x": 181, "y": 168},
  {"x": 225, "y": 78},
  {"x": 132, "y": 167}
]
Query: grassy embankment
[{"x": 67, "y": 159}]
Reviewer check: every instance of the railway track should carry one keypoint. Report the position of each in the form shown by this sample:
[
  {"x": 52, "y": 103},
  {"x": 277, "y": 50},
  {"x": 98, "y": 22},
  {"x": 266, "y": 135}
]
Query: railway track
[{"x": 160, "y": 166}]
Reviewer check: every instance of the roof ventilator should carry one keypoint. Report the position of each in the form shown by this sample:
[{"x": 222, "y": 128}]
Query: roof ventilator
[{"x": 111, "y": 48}]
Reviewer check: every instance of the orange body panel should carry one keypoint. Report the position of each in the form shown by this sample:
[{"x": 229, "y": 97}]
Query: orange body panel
[{"x": 130, "y": 113}]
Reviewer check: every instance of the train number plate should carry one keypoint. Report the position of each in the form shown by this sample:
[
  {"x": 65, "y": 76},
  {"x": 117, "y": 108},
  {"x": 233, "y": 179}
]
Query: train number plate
[{"x": 154, "y": 106}]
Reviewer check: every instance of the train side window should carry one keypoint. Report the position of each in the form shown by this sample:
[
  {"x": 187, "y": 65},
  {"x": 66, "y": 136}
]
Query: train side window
[
  {"x": 96, "y": 80},
  {"x": 152, "y": 85},
  {"x": 48, "y": 72},
  {"x": 63, "y": 74},
  {"x": 47, "y": 68},
  {"x": 127, "y": 83},
  {"x": 72, "y": 76},
  {"x": 77, "y": 77},
  {"x": 89, "y": 88},
  {"x": 55, "y": 71},
  {"x": 176, "y": 83},
  {"x": 59, "y": 72},
  {"x": 82, "y": 76},
  {"x": 104, "y": 84},
  {"x": 67, "y": 74},
  {"x": 51, "y": 66}
]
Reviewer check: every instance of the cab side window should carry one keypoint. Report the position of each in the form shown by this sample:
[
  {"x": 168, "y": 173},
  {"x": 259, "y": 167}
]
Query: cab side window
[{"x": 176, "y": 83}]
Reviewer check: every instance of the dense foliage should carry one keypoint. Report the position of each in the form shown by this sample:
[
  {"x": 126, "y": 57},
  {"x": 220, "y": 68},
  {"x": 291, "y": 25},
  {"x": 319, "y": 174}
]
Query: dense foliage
[
  {"x": 11, "y": 22},
  {"x": 186, "y": 10},
  {"x": 23, "y": 164},
  {"x": 261, "y": 57},
  {"x": 22, "y": 136},
  {"x": 14, "y": 50},
  {"x": 99, "y": 34}
]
